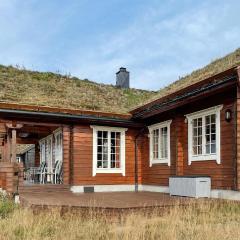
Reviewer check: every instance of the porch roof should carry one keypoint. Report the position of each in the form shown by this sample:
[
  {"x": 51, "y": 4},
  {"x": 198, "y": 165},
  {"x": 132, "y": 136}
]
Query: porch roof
[{"x": 63, "y": 115}]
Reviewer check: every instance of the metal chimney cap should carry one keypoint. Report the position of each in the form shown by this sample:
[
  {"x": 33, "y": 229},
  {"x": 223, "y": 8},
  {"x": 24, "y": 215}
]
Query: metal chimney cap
[{"x": 122, "y": 69}]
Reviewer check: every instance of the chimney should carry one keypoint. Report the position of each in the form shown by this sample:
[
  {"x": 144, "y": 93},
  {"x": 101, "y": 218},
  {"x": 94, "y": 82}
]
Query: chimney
[{"x": 122, "y": 78}]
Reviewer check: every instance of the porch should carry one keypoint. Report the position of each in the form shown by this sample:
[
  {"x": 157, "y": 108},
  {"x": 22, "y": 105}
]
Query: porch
[
  {"x": 47, "y": 197},
  {"x": 30, "y": 153}
]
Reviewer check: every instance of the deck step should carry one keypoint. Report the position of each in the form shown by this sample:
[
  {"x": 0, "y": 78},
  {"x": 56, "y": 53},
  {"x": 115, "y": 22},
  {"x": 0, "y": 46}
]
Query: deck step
[{"x": 47, "y": 188}]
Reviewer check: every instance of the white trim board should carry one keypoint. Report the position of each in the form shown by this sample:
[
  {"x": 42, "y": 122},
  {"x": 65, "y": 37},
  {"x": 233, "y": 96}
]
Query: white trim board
[
  {"x": 215, "y": 193},
  {"x": 121, "y": 188},
  {"x": 104, "y": 188},
  {"x": 225, "y": 194}
]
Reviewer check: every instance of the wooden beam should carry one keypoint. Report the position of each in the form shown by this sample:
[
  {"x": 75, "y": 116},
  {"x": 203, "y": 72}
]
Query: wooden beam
[
  {"x": 14, "y": 125},
  {"x": 8, "y": 148},
  {"x": 27, "y": 140},
  {"x": 14, "y": 145},
  {"x": 31, "y": 123}
]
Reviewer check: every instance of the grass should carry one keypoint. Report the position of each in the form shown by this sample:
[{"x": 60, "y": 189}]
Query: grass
[
  {"x": 204, "y": 220},
  {"x": 55, "y": 90},
  {"x": 215, "y": 67}
]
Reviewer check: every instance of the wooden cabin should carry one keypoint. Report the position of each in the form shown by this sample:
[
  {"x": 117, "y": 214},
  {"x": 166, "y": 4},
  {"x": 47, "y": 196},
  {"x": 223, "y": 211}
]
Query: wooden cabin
[{"x": 194, "y": 131}]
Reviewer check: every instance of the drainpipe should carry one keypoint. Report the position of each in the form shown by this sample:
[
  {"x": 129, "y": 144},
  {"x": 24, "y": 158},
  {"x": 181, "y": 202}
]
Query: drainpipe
[
  {"x": 71, "y": 155},
  {"x": 136, "y": 158}
]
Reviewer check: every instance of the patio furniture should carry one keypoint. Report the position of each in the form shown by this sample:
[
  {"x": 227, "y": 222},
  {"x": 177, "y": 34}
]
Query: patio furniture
[
  {"x": 57, "y": 172},
  {"x": 39, "y": 173}
]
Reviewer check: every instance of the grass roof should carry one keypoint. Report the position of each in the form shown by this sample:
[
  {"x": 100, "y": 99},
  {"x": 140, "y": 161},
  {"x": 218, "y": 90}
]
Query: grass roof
[
  {"x": 217, "y": 66},
  {"x": 56, "y": 90}
]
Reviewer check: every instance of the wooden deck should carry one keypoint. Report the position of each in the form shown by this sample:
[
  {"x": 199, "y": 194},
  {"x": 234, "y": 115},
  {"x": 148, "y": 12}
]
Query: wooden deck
[{"x": 64, "y": 198}]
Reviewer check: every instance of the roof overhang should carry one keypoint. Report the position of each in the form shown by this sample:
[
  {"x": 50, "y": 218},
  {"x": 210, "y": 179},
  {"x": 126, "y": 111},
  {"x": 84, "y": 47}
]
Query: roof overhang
[
  {"x": 200, "y": 90},
  {"x": 52, "y": 115}
]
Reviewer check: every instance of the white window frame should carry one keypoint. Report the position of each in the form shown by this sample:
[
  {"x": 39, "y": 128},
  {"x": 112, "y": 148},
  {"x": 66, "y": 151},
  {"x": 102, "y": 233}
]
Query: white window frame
[
  {"x": 122, "y": 150},
  {"x": 151, "y": 129},
  {"x": 202, "y": 114},
  {"x": 58, "y": 151},
  {"x": 42, "y": 146}
]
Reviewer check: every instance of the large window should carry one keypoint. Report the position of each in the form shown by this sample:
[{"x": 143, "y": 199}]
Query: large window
[
  {"x": 108, "y": 150},
  {"x": 160, "y": 143},
  {"x": 204, "y": 135}
]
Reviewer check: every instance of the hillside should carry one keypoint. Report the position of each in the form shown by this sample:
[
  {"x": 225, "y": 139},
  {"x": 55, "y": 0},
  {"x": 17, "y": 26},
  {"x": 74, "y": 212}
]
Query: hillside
[{"x": 55, "y": 90}]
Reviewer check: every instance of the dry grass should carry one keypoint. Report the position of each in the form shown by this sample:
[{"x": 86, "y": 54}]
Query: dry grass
[
  {"x": 55, "y": 90},
  {"x": 204, "y": 220}
]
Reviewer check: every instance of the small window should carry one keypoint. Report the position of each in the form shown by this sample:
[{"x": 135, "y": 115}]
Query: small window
[
  {"x": 160, "y": 143},
  {"x": 108, "y": 150},
  {"x": 204, "y": 135}
]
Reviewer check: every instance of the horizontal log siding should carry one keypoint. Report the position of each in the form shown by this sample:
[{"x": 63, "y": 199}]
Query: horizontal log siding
[
  {"x": 66, "y": 156},
  {"x": 83, "y": 159},
  {"x": 223, "y": 175},
  {"x": 158, "y": 174}
]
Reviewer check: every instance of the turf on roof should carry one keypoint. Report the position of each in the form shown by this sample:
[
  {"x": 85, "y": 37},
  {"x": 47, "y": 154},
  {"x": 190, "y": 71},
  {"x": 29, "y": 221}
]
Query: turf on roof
[
  {"x": 215, "y": 67},
  {"x": 55, "y": 90}
]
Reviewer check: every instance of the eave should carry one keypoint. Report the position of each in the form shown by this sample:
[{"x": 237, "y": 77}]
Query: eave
[
  {"x": 215, "y": 84},
  {"x": 16, "y": 112}
]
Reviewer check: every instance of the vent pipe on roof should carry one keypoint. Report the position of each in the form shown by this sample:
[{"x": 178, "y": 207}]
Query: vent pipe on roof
[{"x": 122, "y": 78}]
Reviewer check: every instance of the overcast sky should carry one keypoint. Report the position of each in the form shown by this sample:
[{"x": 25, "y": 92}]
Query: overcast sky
[{"x": 156, "y": 40}]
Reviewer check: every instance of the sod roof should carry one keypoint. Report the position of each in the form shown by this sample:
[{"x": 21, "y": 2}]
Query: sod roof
[{"x": 55, "y": 90}]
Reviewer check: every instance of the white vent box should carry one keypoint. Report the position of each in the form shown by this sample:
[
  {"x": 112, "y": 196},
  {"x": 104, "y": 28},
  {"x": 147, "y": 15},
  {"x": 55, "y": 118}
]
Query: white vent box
[{"x": 190, "y": 186}]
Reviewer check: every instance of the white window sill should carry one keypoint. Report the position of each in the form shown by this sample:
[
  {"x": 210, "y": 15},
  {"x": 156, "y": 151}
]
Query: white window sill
[
  {"x": 160, "y": 161},
  {"x": 109, "y": 171},
  {"x": 206, "y": 157}
]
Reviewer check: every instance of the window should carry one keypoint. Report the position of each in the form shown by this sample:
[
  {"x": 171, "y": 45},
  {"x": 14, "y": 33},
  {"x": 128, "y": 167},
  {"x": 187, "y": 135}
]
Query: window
[
  {"x": 58, "y": 145},
  {"x": 42, "y": 150},
  {"x": 204, "y": 135},
  {"x": 160, "y": 143},
  {"x": 108, "y": 150}
]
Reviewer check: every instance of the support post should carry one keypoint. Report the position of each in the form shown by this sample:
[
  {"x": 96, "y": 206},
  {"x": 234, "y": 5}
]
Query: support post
[
  {"x": 180, "y": 131},
  {"x": 8, "y": 148},
  {"x": 14, "y": 145}
]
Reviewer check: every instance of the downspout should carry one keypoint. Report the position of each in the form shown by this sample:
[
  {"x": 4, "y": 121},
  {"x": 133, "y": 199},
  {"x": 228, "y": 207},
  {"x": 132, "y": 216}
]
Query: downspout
[
  {"x": 71, "y": 155},
  {"x": 235, "y": 145},
  {"x": 236, "y": 178},
  {"x": 136, "y": 158}
]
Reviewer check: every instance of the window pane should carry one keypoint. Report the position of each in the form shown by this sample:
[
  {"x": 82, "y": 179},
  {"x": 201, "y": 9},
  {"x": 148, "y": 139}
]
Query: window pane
[
  {"x": 213, "y": 148},
  {"x": 99, "y": 164},
  {"x": 102, "y": 149},
  {"x": 105, "y": 134},
  {"x": 163, "y": 143},
  {"x": 210, "y": 134},
  {"x": 197, "y": 136},
  {"x": 155, "y": 144},
  {"x": 115, "y": 149},
  {"x": 208, "y": 148},
  {"x": 195, "y": 151}
]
